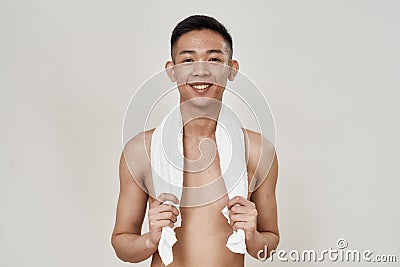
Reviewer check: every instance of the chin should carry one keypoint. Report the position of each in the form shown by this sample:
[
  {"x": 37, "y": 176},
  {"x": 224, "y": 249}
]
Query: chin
[{"x": 201, "y": 101}]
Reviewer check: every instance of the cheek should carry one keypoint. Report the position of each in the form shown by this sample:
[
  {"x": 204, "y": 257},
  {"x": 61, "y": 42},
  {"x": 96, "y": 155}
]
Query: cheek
[
  {"x": 182, "y": 74},
  {"x": 220, "y": 73},
  {"x": 181, "y": 80},
  {"x": 183, "y": 90},
  {"x": 220, "y": 90},
  {"x": 217, "y": 92}
]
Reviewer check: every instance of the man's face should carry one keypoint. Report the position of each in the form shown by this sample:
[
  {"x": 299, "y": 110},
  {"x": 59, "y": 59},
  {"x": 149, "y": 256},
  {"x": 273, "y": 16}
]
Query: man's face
[{"x": 201, "y": 66}]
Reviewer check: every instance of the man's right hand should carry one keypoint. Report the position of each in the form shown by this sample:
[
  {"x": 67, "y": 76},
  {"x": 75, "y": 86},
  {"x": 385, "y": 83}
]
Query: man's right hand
[{"x": 161, "y": 215}]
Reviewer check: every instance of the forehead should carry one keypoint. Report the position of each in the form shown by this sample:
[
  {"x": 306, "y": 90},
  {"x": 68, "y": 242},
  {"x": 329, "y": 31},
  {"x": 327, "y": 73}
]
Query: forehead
[{"x": 201, "y": 40}]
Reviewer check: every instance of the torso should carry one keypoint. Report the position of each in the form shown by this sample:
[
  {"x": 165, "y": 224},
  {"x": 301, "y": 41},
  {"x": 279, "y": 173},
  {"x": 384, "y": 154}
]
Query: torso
[{"x": 204, "y": 230}]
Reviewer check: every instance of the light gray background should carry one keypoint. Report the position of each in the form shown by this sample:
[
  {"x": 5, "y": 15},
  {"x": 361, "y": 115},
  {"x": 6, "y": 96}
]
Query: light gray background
[{"x": 330, "y": 70}]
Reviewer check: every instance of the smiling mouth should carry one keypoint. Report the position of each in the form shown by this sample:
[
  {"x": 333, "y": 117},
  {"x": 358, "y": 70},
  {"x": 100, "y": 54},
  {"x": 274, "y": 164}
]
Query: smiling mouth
[{"x": 200, "y": 87}]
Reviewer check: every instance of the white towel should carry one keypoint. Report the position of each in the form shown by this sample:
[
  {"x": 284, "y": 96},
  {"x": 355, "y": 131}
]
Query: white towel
[{"x": 167, "y": 169}]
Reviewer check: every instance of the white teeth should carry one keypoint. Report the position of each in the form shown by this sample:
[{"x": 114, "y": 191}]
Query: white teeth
[{"x": 201, "y": 86}]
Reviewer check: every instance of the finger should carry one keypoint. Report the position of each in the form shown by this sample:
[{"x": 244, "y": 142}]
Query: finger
[
  {"x": 168, "y": 197},
  {"x": 172, "y": 208},
  {"x": 238, "y": 200},
  {"x": 165, "y": 208},
  {"x": 240, "y": 225},
  {"x": 165, "y": 216},
  {"x": 235, "y": 218},
  {"x": 164, "y": 223},
  {"x": 155, "y": 203},
  {"x": 240, "y": 209},
  {"x": 158, "y": 201}
]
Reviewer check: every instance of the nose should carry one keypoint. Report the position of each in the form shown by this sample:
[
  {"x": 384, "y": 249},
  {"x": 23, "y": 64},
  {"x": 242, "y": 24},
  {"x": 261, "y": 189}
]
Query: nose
[{"x": 200, "y": 68}]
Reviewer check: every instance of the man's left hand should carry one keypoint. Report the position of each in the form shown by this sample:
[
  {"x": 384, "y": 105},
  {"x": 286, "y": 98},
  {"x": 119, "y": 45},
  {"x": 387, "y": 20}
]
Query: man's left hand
[{"x": 243, "y": 215}]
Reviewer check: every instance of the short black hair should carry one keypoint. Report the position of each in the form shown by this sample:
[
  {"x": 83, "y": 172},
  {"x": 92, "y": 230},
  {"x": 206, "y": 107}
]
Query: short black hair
[{"x": 200, "y": 22}]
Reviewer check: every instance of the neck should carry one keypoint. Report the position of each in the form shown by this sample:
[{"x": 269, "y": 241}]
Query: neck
[{"x": 200, "y": 121}]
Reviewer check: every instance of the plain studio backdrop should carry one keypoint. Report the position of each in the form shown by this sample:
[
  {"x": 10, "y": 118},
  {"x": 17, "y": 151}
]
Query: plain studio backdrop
[{"x": 329, "y": 69}]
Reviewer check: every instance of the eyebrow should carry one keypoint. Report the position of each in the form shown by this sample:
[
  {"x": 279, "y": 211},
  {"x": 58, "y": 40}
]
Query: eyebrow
[{"x": 211, "y": 51}]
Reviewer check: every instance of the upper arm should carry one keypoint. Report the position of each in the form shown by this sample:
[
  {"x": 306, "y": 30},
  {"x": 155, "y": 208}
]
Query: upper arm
[
  {"x": 132, "y": 200},
  {"x": 264, "y": 195}
]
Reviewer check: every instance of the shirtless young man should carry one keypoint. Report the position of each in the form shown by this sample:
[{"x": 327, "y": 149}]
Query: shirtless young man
[{"x": 204, "y": 230}]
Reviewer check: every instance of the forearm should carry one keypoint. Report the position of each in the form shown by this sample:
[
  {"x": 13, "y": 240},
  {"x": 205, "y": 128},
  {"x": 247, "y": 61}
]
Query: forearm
[
  {"x": 265, "y": 241},
  {"x": 133, "y": 247}
]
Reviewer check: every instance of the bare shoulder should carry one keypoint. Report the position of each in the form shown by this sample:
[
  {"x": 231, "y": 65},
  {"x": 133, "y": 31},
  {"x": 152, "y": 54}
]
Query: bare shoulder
[
  {"x": 261, "y": 154},
  {"x": 136, "y": 155},
  {"x": 258, "y": 143},
  {"x": 139, "y": 142}
]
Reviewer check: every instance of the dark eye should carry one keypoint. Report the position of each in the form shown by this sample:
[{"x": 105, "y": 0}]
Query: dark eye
[
  {"x": 188, "y": 60},
  {"x": 215, "y": 59}
]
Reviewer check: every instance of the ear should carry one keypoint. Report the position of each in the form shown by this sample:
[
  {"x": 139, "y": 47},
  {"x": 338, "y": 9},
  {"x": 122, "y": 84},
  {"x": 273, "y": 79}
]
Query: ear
[
  {"x": 233, "y": 70},
  {"x": 169, "y": 68}
]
